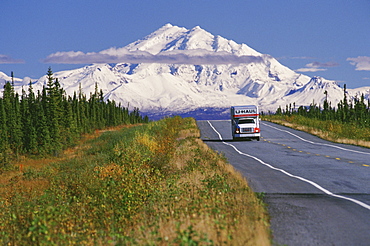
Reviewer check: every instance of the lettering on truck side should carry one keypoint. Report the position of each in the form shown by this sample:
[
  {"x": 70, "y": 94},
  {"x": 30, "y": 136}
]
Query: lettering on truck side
[{"x": 245, "y": 111}]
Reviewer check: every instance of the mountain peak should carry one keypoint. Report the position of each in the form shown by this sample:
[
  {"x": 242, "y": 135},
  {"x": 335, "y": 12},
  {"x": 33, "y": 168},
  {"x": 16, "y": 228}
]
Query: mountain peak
[
  {"x": 168, "y": 25},
  {"x": 156, "y": 41},
  {"x": 174, "y": 38}
]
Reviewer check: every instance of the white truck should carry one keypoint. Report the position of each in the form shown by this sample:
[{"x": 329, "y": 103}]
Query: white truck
[{"x": 245, "y": 122}]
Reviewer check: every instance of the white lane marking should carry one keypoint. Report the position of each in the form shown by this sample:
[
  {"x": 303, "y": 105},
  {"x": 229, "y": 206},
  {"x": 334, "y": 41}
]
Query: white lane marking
[
  {"x": 291, "y": 175},
  {"x": 305, "y": 140}
]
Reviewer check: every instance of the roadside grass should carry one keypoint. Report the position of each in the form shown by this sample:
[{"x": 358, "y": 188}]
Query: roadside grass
[
  {"x": 152, "y": 184},
  {"x": 333, "y": 131}
]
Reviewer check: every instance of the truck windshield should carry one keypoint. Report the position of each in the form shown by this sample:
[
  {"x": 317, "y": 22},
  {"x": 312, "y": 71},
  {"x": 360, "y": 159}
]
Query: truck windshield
[{"x": 246, "y": 121}]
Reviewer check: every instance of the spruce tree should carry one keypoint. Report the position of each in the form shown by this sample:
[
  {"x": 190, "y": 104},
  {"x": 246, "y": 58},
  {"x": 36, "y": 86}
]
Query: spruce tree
[
  {"x": 53, "y": 112},
  {"x": 13, "y": 122},
  {"x": 4, "y": 143},
  {"x": 44, "y": 140},
  {"x": 31, "y": 121}
]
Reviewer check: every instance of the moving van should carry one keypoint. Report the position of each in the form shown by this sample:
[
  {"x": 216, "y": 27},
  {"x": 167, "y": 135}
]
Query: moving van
[{"x": 245, "y": 122}]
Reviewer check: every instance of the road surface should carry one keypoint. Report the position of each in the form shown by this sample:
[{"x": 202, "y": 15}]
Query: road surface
[{"x": 317, "y": 192}]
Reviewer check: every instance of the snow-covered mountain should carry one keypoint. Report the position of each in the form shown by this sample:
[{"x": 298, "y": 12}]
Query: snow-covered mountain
[
  {"x": 17, "y": 81},
  {"x": 176, "y": 70}
]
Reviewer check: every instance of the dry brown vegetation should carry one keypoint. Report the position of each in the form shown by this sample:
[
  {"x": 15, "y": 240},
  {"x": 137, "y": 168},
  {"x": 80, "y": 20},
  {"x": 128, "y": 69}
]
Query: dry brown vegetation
[
  {"x": 14, "y": 174},
  {"x": 152, "y": 184},
  {"x": 330, "y": 134}
]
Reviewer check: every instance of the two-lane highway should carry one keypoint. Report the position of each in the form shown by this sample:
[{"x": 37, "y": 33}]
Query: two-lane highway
[{"x": 318, "y": 192}]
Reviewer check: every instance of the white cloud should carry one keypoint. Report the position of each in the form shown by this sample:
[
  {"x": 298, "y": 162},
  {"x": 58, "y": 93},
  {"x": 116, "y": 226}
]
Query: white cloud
[
  {"x": 317, "y": 66},
  {"x": 296, "y": 58},
  {"x": 122, "y": 55},
  {"x": 361, "y": 62},
  {"x": 313, "y": 69},
  {"x": 5, "y": 59}
]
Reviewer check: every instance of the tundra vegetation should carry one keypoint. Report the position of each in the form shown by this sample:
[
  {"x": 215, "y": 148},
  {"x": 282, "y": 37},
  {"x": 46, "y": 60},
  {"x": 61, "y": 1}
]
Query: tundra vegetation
[
  {"x": 348, "y": 123},
  {"x": 149, "y": 184}
]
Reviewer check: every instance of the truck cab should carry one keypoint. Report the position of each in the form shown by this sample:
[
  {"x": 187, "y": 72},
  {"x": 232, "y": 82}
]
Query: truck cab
[{"x": 245, "y": 122}]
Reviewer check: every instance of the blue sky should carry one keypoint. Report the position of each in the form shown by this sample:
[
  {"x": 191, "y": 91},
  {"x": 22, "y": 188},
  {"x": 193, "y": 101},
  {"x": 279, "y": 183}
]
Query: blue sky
[{"x": 328, "y": 38}]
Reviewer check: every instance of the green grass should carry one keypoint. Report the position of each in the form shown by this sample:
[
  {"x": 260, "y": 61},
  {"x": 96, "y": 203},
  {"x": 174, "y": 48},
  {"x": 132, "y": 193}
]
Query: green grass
[{"x": 153, "y": 184}]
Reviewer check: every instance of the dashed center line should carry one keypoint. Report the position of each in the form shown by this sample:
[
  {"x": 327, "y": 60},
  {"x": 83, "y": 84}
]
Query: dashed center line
[
  {"x": 322, "y": 144},
  {"x": 309, "y": 153}
]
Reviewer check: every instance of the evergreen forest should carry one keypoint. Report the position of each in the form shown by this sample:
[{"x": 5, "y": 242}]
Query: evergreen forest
[
  {"x": 350, "y": 118},
  {"x": 356, "y": 111},
  {"x": 48, "y": 121}
]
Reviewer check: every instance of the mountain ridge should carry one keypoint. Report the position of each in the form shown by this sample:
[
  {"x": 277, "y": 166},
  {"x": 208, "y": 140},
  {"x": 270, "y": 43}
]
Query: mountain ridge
[{"x": 181, "y": 70}]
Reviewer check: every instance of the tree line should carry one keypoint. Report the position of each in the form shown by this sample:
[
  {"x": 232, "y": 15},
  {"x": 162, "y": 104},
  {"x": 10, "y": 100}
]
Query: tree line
[
  {"x": 355, "y": 111},
  {"x": 46, "y": 122}
]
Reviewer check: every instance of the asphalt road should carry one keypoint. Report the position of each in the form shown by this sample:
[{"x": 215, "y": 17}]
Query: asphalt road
[{"x": 317, "y": 192}]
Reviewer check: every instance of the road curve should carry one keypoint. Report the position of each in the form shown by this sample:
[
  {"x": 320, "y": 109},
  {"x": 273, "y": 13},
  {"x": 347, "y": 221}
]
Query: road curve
[{"x": 317, "y": 192}]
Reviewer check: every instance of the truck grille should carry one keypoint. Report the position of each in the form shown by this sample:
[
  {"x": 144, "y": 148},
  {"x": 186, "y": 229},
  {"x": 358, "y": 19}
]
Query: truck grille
[{"x": 249, "y": 129}]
